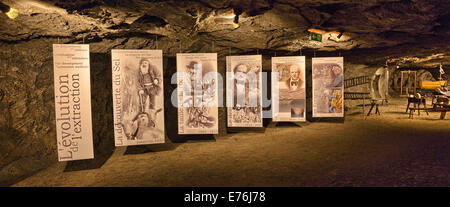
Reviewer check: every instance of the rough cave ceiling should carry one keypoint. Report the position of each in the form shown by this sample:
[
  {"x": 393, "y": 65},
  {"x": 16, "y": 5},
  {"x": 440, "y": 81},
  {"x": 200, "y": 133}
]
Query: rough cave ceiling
[{"x": 403, "y": 30}]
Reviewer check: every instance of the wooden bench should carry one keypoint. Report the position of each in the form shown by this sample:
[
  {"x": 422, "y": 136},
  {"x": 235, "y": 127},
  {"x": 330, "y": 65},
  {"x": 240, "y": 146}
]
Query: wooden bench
[
  {"x": 374, "y": 103},
  {"x": 413, "y": 109},
  {"x": 443, "y": 108}
]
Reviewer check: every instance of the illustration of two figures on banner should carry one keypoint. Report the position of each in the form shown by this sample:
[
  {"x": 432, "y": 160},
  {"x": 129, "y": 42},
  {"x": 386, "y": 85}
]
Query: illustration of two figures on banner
[{"x": 246, "y": 103}]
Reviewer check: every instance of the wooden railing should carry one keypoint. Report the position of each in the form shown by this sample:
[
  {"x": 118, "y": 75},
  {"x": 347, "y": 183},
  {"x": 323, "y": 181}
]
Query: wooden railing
[{"x": 356, "y": 81}]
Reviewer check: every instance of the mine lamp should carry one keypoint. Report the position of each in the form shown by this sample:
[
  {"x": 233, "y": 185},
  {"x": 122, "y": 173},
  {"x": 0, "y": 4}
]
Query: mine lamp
[
  {"x": 236, "y": 21},
  {"x": 13, "y": 13},
  {"x": 9, "y": 11},
  {"x": 237, "y": 12}
]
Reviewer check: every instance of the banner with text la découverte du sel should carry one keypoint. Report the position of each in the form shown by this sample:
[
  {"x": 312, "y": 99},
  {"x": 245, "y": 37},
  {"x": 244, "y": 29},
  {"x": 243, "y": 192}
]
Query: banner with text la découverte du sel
[
  {"x": 138, "y": 97},
  {"x": 73, "y": 101}
]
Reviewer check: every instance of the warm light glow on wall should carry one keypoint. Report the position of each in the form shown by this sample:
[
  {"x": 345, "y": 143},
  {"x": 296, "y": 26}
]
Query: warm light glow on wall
[
  {"x": 229, "y": 14},
  {"x": 318, "y": 31},
  {"x": 13, "y": 13},
  {"x": 225, "y": 17}
]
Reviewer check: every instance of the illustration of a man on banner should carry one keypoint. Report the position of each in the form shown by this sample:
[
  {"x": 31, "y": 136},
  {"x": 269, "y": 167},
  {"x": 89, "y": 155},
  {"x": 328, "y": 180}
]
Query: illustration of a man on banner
[{"x": 149, "y": 79}]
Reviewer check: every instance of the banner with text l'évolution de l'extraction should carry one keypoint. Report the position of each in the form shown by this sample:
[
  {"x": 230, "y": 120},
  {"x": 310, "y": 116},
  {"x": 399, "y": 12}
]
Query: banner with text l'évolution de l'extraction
[{"x": 73, "y": 101}]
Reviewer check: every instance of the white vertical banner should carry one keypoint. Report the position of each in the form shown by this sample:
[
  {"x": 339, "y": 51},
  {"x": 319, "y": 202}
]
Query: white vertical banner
[
  {"x": 138, "y": 97},
  {"x": 244, "y": 91},
  {"x": 328, "y": 87},
  {"x": 198, "y": 111},
  {"x": 288, "y": 89},
  {"x": 72, "y": 84}
]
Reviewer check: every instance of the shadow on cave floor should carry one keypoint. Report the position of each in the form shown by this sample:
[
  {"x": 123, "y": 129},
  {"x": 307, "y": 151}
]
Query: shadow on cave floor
[
  {"x": 101, "y": 155},
  {"x": 328, "y": 119},
  {"x": 142, "y": 149},
  {"x": 78, "y": 165},
  {"x": 287, "y": 124},
  {"x": 261, "y": 130},
  {"x": 354, "y": 113},
  {"x": 266, "y": 123},
  {"x": 397, "y": 112},
  {"x": 192, "y": 137}
]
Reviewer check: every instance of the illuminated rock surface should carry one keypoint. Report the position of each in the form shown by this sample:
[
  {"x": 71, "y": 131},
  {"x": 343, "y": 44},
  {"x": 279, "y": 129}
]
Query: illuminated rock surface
[{"x": 410, "y": 34}]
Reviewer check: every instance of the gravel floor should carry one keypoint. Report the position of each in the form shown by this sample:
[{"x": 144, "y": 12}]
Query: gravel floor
[{"x": 381, "y": 150}]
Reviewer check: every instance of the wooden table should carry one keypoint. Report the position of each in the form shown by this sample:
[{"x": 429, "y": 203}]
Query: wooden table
[
  {"x": 442, "y": 107},
  {"x": 417, "y": 102}
]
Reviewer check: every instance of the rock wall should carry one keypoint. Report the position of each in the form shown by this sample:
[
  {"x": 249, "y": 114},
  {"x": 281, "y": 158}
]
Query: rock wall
[
  {"x": 28, "y": 138},
  {"x": 408, "y": 34}
]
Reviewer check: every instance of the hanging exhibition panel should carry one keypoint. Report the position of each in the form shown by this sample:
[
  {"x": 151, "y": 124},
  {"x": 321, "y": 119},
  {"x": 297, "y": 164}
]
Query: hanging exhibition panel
[
  {"x": 197, "y": 93},
  {"x": 138, "y": 97},
  {"x": 288, "y": 89},
  {"x": 244, "y": 95},
  {"x": 73, "y": 101},
  {"x": 328, "y": 86}
]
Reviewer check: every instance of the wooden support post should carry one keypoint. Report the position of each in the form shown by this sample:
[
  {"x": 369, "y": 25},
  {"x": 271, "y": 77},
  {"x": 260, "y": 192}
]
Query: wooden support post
[{"x": 401, "y": 86}]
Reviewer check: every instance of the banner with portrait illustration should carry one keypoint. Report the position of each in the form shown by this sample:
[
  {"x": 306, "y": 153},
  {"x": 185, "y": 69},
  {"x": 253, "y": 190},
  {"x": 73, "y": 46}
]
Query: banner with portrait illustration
[
  {"x": 328, "y": 86},
  {"x": 197, "y": 93},
  {"x": 138, "y": 97},
  {"x": 244, "y": 91},
  {"x": 72, "y": 85},
  {"x": 288, "y": 89}
]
